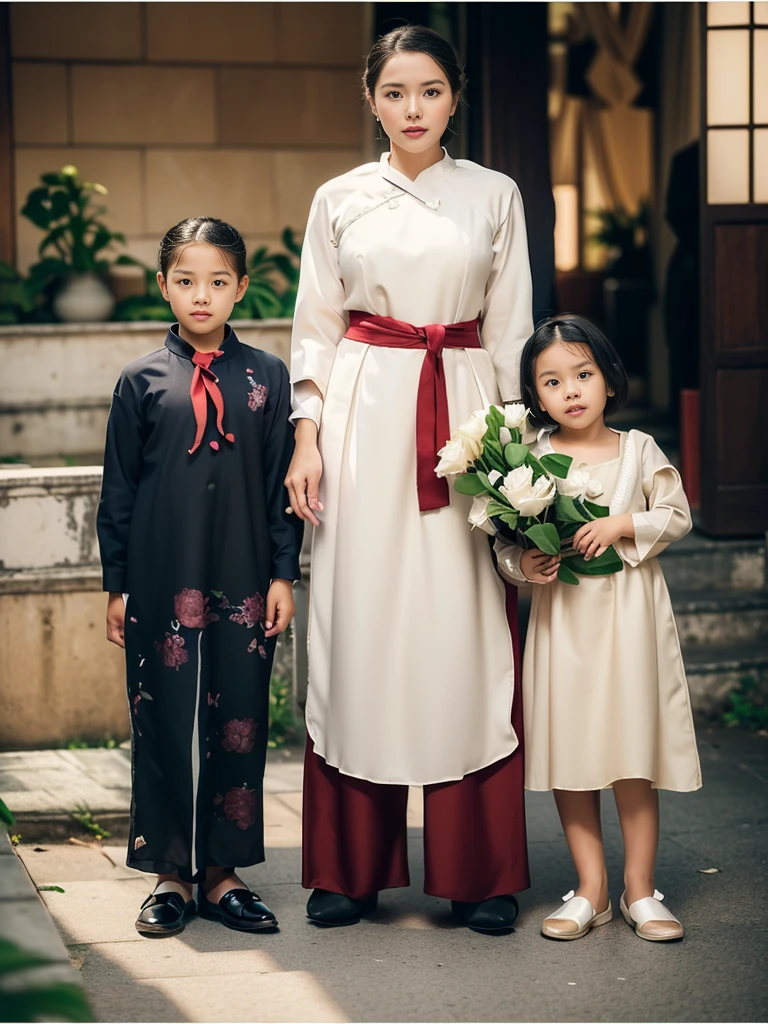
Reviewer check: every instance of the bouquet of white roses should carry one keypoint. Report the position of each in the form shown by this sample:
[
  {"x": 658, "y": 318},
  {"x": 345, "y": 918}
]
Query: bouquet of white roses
[{"x": 534, "y": 502}]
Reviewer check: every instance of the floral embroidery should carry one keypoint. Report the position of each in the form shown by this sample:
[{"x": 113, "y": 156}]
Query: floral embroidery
[
  {"x": 191, "y": 609},
  {"x": 240, "y": 807},
  {"x": 262, "y": 651},
  {"x": 172, "y": 651},
  {"x": 218, "y": 799},
  {"x": 250, "y": 612},
  {"x": 253, "y": 645},
  {"x": 213, "y": 701},
  {"x": 258, "y": 397},
  {"x": 239, "y": 735},
  {"x": 136, "y": 700},
  {"x": 139, "y": 842}
]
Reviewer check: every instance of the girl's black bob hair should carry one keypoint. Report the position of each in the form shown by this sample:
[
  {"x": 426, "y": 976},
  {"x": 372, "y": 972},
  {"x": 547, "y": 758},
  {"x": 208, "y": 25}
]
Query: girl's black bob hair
[
  {"x": 210, "y": 230},
  {"x": 572, "y": 330}
]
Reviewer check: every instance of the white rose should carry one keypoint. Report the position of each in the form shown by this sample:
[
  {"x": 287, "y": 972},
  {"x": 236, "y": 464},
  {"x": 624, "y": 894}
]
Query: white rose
[
  {"x": 594, "y": 488},
  {"x": 515, "y": 416},
  {"x": 494, "y": 476},
  {"x": 575, "y": 484},
  {"x": 527, "y": 497},
  {"x": 505, "y": 436},
  {"x": 478, "y": 514},
  {"x": 473, "y": 431},
  {"x": 454, "y": 457}
]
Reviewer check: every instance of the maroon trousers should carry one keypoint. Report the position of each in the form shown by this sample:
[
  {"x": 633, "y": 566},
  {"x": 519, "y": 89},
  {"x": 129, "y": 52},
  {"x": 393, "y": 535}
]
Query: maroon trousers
[{"x": 355, "y": 835}]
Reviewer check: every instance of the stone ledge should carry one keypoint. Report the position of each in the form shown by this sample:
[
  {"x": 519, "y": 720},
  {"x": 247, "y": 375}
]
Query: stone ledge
[
  {"x": 24, "y": 919},
  {"x": 65, "y": 580},
  {"x": 120, "y": 327}
]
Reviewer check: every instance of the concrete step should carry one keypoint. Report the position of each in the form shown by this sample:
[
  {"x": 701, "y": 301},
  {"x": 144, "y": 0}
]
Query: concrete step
[
  {"x": 714, "y": 670},
  {"x": 699, "y": 563},
  {"x": 721, "y": 617}
]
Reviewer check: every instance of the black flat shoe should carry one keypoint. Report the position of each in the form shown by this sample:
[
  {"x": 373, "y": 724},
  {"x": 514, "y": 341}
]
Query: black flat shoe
[
  {"x": 332, "y": 910},
  {"x": 239, "y": 909},
  {"x": 164, "y": 913},
  {"x": 491, "y": 916}
]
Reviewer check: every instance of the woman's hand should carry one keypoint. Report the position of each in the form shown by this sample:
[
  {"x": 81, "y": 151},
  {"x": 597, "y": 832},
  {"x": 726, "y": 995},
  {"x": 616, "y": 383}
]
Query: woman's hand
[
  {"x": 304, "y": 473},
  {"x": 280, "y": 607},
  {"x": 538, "y": 567},
  {"x": 592, "y": 539},
  {"x": 116, "y": 619}
]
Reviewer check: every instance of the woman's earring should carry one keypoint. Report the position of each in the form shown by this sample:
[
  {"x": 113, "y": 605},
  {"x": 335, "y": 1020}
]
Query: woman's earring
[{"x": 451, "y": 121}]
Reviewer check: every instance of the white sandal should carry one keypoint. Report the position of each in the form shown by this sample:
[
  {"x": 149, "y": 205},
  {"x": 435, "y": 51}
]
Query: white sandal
[
  {"x": 650, "y": 919},
  {"x": 575, "y": 918}
]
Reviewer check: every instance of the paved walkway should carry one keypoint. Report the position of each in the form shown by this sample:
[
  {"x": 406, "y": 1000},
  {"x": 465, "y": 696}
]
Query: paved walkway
[{"x": 409, "y": 962}]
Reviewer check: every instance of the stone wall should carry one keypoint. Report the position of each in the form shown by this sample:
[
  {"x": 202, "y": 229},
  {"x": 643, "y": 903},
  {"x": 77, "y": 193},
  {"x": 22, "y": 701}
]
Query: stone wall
[
  {"x": 57, "y": 382},
  {"x": 232, "y": 110}
]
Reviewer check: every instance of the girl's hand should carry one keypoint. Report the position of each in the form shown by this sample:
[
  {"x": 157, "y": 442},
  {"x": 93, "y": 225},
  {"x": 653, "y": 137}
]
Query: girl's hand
[
  {"x": 116, "y": 620},
  {"x": 280, "y": 607},
  {"x": 304, "y": 473},
  {"x": 592, "y": 539},
  {"x": 537, "y": 567}
]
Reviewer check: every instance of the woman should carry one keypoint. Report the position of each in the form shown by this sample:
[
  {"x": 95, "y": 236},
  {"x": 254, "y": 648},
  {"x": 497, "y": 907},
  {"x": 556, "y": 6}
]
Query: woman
[{"x": 412, "y": 672}]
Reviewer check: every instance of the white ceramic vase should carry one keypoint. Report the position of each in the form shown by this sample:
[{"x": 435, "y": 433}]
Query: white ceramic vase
[{"x": 84, "y": 298}]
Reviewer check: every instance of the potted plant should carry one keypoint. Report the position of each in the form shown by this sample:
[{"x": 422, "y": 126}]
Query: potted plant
[{"x": 72, "y": 265}]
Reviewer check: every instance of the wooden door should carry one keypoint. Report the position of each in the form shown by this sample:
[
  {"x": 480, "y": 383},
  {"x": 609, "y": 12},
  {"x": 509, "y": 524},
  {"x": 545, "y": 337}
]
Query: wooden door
[{"x": 734, "y": 270}]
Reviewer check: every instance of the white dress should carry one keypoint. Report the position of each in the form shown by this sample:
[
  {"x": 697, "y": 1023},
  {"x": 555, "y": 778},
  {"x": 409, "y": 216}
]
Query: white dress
[
  {"x": 410, "y": 662},
  {"x": 604, "y": 689}
]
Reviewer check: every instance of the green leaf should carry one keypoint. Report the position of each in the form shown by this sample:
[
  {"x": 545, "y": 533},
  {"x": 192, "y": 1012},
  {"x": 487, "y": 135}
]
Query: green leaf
[
  {"x": 50, "y": 888},
  {"x": 567, "y": 511},
  {"x": 60, "y": 1001},
  {"x": 510, "y": 518},
  {"x": 598, "y": 511},
  {"x": 495, "y": 419},
  {"x": 5, "y": 815},
  {"x": 514, "y": 454},
  {"x": 606, "y": 565},
  {"x": 39, "y": 214},
  {"x": 498, "y": 508},
  {"x": 557, "y": 465},
  {"x": 13, "y": 958},
  {"x": 483, "y": 477},
  {"x": 545, "y": 537},
  {"x": 59, "y": 205},
  {"x": 565, "y": 575},
  {"x": 468, "y": 483}
]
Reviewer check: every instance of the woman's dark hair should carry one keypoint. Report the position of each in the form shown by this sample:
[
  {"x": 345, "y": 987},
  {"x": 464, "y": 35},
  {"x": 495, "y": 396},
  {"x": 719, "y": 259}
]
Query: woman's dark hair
[
  {"x": 572, "y": 330},
  {"x": 413, "y": 39},
  {"x": 210, "y": 231}
]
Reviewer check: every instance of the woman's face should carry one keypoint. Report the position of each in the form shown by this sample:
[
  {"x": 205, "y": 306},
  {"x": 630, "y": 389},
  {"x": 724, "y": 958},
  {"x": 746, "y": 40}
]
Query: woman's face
[{"x": 413, "y": 100}]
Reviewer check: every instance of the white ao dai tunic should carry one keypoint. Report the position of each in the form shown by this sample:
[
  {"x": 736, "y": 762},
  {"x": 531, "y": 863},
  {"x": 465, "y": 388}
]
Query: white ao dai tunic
[{"x": 410, "y": 663}]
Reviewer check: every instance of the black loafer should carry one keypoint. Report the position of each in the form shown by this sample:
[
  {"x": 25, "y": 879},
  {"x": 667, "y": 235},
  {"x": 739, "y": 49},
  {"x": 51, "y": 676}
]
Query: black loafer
[
  {"x": 239, "y": 909},
  {"x": 497, "y": 914},
  {"x": 164, "y": 913},
  {"x": 332, "y": 910}
]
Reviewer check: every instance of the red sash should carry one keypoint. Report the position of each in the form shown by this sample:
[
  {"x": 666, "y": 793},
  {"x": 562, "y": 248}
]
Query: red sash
[{"x": 432, "y": 422}]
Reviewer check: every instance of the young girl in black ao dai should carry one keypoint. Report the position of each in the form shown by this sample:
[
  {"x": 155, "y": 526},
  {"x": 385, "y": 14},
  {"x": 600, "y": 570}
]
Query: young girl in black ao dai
[{"x": 192, "y": 528}]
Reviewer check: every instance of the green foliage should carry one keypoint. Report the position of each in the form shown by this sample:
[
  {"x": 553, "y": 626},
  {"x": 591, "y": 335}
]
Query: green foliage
[
  {"x": 545, "y": 537},
  {"x": 5, "y": 815},
  {"x": 83, "y": 817},
  {"x": 273, "y": 282},
  {"x": 283, "y": 727},
  {"x": 75, "y": 237},
  {"x": 50, "y": 888},
  {"x": 747, "y": 707},
  {"x": 557, "y": 465},
  {"x": 46, "y": 1001},
  {"x": 625, "y": 236},
  {"x": 469, "y": 483},
  {"x": 149, "y": 306},
  {"x": 107, "y": 742}
]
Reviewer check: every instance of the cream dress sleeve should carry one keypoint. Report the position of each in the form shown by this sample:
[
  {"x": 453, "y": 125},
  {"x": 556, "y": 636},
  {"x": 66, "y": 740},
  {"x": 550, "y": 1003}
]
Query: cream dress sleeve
[
  {"x": 668, "y": 517},
  {"x": 319, "y": 321},
  {"x": 506, "y": 321}
]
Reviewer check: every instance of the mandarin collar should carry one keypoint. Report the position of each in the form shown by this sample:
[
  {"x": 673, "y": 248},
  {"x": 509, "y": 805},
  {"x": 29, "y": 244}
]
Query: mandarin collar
[
  {"x": 420, "y": 188},
  {"x": 176, "y": 343}
]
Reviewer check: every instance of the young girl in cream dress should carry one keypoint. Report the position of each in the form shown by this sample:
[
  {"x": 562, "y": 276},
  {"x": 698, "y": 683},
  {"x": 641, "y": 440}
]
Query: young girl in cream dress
[{"x": 605, "y": 694}]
